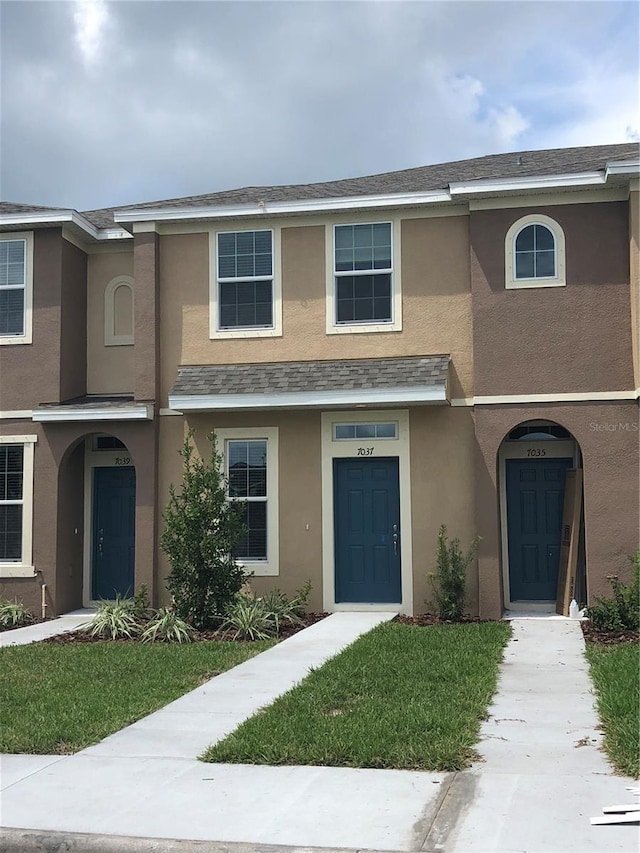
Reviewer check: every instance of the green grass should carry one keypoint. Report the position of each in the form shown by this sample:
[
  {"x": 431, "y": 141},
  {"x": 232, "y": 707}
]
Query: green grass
[
  {"x": 60, "y": 698},
  {"x": 401, "y": 696},
  {"x": 616, "y": 674}
]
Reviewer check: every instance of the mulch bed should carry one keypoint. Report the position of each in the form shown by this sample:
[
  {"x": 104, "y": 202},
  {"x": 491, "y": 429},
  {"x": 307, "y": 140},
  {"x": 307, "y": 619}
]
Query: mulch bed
[
  {"x": 73, "y": 637},
  {"x": 607, "y": 638},
  {"x": 426, "y": 619}
]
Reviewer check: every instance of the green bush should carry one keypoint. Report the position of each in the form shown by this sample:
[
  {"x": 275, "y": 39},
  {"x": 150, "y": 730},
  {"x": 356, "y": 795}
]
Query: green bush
[
  {"x": 449, "y": 581},
  {"x": 13, "y": 614},
  {"x": 622, "y": 611},
  {"x": 257, "y": 618},
  {"x": 283, "y": 610},
  {"x": 201, "y": 529}
]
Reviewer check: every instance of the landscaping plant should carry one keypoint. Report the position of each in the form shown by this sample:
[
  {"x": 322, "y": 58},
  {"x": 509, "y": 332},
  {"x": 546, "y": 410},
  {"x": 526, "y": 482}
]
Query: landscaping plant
[
  {"x": 114, "y": 620},
  {"x": 622, "y": 611},
  {"x": 449, "y": 581},
  {"x": 255, "y": 618},
  {"x": 13, "y": 614},
  {"x": 166, "y": 626},
  {"x": 201, "y": 529}
]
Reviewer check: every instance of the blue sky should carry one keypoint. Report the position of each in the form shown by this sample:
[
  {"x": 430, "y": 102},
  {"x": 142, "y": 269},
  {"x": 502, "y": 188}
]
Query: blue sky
[{"x": 107, "y": 102}]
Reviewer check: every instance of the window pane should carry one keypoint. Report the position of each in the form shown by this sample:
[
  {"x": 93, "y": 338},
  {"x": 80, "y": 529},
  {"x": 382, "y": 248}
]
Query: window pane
[
  {"x": 11, "y": 312},
  {"x": 11, "y": 460},
  {"x": 386, "y": 430},
  {"x": 253, "y": 545},
  {"x": 545, "y": 264},
  {"x": 345, "y": 431},
  {"x": 344, "y": 237},
  {"x": 344, "y": 259},
  {"x": 10, "y": 533},
  {"x": 355, "y": 300},
  {"x": 12, "y": 253},
  {"x": 382, "y": 309},
  {"x": 365, "y": 430},
  {"x": 245, "y": 254},
  {"x": 544, "y": 238},
  {"x": 524, "y": 265},
  {"x": 246, "y": 304},
  {"x": 247, "y": 468},
  {"x": 525, "y": 240}
]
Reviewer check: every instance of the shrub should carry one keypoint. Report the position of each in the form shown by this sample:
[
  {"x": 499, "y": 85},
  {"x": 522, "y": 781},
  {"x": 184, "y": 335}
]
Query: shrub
[
  {"x": 449, "y": 581},
  {"x": 284, "y": 610},
  {"x": 114, "y": 620},
  {"x": 13, "y": 614},
  {"x": 167, "y": 627},
  {"x": 201, "y": 529},
  {"x": 140, "y": 604},
  {"x": 249, "y": 619},
  {"x": 622, "y": 612}
]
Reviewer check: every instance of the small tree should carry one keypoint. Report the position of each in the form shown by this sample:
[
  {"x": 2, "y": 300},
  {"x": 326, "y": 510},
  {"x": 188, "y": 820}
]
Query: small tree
[
  {"x": 449, "y": 581},
  {"x": 201, "y": 529}
]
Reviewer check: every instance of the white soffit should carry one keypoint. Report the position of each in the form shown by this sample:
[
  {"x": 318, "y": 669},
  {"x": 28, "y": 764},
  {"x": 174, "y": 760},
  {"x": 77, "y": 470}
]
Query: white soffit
[
  {"x": 429, "y": 394},
  {"x": 63, "y": 217},
  {"x": 60, "y": 414}
]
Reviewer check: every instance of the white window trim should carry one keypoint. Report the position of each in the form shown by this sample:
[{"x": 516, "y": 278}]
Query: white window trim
[
  {"x": 23, "y": 569},
  {"x": 274, "y": 331},
  {"x": 271, "y": 566},
  {"x": 395, "y": 325},
  {"x": 510, "y": 280},
  {"x": 27, "y": 337},
  {"x": 111, "y": 339}
]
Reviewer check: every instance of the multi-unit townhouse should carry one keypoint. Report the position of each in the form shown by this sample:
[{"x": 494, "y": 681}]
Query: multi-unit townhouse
[{"x": 377, "y": 356}]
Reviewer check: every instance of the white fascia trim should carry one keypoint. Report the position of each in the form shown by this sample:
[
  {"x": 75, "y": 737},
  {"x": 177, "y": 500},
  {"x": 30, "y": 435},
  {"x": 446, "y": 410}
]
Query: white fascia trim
[
  {"x": 587, "y": 397},
  {"x": 53, "y": 217},
  {"x": 629, "y": 167},
  {"x": 69, "y": 413},
  {"x": 16, "y": 414},
  {"x": 165, "y": 214},
  {"x": 543, "y": 182},
  {"x": 309, "y": 399}
]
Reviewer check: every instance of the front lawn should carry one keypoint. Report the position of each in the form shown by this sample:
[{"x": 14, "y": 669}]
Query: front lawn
[
  {"x": 401, "y": 696},
  {"x": 615, "y": 670},
  {"x": 58, "y": 698}
]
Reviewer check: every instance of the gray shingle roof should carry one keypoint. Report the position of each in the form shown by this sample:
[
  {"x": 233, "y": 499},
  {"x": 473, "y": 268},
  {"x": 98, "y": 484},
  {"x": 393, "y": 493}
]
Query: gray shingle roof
[
  {"x": 7, "y": 207},
  {"x": 420, "y": 179},
  {"x": 300, "y": 376}
]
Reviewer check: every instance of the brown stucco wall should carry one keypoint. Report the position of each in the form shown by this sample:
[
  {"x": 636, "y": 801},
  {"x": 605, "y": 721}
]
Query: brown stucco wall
[
  {"x": 608, "y": 438},
  {"x": 634, "y": 263},
  {"x": 73, "y": 322},
  {"x": 560, "y": 339},
  {"x": 70, "y": 532},
  {"x": 436, "y": 304},
  {"x": 146, "y": 268},
  {"x": 299, "y": 487},
  {"x": 30, "y": 373},
  {"x": 442, "y": 487},
  {"x": 109, "y": 369}
]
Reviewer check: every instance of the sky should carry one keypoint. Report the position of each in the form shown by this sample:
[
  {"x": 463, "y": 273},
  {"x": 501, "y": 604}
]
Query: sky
[{"x": 111, "y": 102}]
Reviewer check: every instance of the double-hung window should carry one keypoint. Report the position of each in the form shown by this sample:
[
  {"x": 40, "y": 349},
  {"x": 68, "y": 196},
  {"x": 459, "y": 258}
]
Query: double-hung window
[
  {"x": 245, "y": 280},
  {"x": 15, "y": 289},
  {"x": 251, "y": 471},
  {"x": 16, "y": 495}
]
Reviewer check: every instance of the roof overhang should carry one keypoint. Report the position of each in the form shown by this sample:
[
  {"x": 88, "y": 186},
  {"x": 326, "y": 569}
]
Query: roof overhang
[
  {"x": 65, "y": 414},
  {"x": 70, "y": 218},
  {"x": 422, "y": 395}
]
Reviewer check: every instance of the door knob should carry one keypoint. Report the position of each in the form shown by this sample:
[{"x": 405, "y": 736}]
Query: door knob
[
  {"x": 394, "y": 539},
  {"x": 100, "y": 541}
]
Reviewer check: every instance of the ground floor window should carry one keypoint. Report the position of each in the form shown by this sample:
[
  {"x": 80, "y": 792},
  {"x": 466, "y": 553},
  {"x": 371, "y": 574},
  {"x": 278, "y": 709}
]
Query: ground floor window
[{"x": 16, "y": 496}]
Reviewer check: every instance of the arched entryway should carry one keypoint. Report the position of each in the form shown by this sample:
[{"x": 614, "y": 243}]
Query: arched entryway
[{"x": 540, "y": 478}]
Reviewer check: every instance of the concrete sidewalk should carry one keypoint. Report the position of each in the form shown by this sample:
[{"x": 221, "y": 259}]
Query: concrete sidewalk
[
  {"x": 541, "y": 779},
  {"x": 44, "y": 630}
]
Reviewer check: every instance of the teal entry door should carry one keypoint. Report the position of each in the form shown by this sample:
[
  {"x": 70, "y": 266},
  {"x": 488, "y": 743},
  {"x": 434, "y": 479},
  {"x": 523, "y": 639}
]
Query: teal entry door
[
  {"x": 535, "y": 497},
  {"x": 367, "y": 531},
  {"x": 113, "y": 551}
]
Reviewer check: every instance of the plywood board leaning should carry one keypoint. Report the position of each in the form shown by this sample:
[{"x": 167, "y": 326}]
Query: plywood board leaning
[{"x": 570, "y": 536}]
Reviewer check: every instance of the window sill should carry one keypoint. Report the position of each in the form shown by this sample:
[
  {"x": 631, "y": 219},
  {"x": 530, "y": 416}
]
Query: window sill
[
  {"x": 524, "y": 283},
  {"x": 359, "y": 328},
  {"x": 244, "y": 333},
  {"x": 261, "y": 569},
  {"x": 16, "y": 570},
  {"x": 13, "y": 341}
]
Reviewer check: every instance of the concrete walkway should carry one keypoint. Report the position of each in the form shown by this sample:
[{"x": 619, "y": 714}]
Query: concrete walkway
[
  {"x": 541, "y": 780},
  {"x": 44, "y": 630}
]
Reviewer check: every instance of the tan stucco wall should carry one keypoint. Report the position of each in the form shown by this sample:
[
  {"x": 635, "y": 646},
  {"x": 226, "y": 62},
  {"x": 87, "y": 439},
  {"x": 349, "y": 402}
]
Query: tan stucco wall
[
  {"x": 109, "y": 369},
  {"x": 554, "y": 339},
  {"x": 436, "y": 304},
  {"x": 299, "y": 490},
  {"x": 442, "y": 485},
  {"x": 608, "y": 438}
]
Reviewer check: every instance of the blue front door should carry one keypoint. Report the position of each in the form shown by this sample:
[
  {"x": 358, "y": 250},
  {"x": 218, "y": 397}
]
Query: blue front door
[
  {"x": 114, "y": 511},
  {"x": 367, "y": 531},
  {"x": 535, "y": 497}
]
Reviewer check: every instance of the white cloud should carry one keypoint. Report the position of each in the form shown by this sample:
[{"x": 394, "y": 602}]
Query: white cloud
[{"x": 90, "y": 19}]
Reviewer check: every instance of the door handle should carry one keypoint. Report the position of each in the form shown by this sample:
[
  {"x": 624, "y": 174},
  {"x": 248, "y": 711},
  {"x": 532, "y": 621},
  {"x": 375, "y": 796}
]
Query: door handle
[
  {"x": 100, "y": 541},
  {"x": 394, "y": 539}
]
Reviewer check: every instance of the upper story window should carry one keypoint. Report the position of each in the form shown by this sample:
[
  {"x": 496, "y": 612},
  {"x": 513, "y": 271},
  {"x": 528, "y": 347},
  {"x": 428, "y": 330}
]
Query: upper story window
[
  {"x": 119, "y": 312},
  {"x": 245, "y": 294},
  {"x": 364, "y": 293},
  {"x": 16, "y": 504},
  {"x": 535, "y": 253},
  {"x": 16, "y": 265}
]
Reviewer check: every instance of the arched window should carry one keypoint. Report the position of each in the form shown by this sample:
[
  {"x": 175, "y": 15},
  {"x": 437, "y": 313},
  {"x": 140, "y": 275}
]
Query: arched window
[
  {"x": 535, "y": 253},
  {"x": 118, "y": 312}
]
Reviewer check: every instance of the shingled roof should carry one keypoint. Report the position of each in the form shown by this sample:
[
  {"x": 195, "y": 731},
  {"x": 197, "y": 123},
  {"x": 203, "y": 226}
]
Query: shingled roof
[
  {"x": 311, "y": 377},
  {"x": 420, "y": 179}
]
